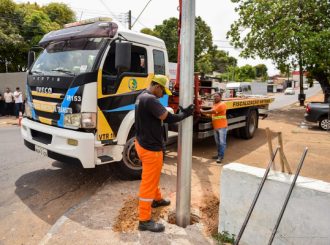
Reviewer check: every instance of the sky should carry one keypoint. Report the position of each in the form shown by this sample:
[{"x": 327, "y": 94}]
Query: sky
[{"x": 218, "y": 14}]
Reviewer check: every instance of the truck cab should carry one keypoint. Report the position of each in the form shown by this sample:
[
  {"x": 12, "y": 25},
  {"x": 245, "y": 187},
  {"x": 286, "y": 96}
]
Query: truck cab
[{"x": 81, "y": 93}]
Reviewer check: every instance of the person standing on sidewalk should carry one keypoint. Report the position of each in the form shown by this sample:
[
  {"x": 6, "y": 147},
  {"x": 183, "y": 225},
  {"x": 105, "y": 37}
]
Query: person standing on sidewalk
[
  {"x": 150, "y": 115},
  {"x": 18, "y": 97},
  {"x": 8, "y": 96},
  {"x": 2, "y": 103},
  {"x": 219, "y": 122}
]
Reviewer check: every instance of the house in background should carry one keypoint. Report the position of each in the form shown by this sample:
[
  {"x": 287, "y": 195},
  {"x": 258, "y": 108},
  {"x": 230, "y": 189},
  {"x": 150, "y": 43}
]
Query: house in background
[{"x": 296, "y": 78}]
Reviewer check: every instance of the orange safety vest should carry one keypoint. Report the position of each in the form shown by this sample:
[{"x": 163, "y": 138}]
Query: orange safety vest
[{"x": 219, "y": 119}]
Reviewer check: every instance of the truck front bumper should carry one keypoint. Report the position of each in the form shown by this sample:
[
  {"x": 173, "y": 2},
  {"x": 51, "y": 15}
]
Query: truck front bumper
[{"x": 56, "y": 141}]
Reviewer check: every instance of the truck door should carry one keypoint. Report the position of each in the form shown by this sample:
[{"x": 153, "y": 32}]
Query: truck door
[{"x": 118, "y": 90}]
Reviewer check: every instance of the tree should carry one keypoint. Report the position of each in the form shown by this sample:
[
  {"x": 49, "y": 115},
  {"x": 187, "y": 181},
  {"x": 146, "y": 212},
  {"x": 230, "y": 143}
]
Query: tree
[
  {"x": 22, "y": 26},
  {"x": 168, "y": 31},
  {"x": 246, "y": 73},
  {"x": 10, "y": 37},
  {"x": 290, "y": 32},
  {"x": 221, "y": 60},
  {"x": 148, "y": 31},
  {"x": 261, "y": 72},
  {"x": 59, "y": 13},
  {"x": 204, "y": 64},
  {"x": 36, "y": 25}
]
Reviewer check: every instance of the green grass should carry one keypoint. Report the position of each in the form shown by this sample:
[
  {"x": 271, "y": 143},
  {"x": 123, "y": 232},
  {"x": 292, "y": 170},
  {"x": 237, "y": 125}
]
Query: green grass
[{"x": 224, "y": 237}]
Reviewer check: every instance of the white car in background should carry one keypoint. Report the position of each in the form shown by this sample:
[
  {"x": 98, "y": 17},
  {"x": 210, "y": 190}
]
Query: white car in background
[{"x": 289, "y": 91}]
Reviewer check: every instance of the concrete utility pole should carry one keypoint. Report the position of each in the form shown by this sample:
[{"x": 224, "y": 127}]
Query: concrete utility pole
[{"x": 187, "y": 38}]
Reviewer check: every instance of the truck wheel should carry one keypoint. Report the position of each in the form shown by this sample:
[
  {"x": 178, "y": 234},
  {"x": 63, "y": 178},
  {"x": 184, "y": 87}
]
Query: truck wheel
[
  {"x": 251, "y": 125},
  {"x": 324, "y": 123},
  {"x": 130, "y": 167}
]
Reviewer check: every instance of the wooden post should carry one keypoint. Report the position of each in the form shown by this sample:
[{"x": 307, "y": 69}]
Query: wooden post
[
  {"x": 284, "y": 161},
  {"x": 270, "y": 146},
  {"x": 281, "y": 151}
]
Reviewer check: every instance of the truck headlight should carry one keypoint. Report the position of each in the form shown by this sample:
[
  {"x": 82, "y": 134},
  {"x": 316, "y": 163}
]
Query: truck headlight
[
  {"x": 27, "y": 111},
  {"x": 80, "y": 120},
  {"x": 72, "y": 120}
]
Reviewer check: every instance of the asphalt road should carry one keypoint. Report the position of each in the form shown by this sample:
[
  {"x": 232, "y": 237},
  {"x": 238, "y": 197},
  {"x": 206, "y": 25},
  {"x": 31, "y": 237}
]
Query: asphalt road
[
  {"x": 36, "y": 191},
  {"x": 282, "y": 100}
]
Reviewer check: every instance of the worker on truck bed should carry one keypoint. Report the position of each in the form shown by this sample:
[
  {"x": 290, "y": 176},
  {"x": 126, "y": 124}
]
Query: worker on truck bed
[
  {"x": 219, "y": 122},
  {"x": 149, "y": 117}
]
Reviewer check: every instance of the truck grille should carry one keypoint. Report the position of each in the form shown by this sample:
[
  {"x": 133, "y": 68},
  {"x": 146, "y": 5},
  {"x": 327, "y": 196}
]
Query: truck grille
[
  {"x": 45, "y": 105},
  {"x": 41, "y": 137}
]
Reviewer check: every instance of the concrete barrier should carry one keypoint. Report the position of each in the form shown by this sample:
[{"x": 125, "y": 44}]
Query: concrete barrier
[{"x": 306, "y": 219}]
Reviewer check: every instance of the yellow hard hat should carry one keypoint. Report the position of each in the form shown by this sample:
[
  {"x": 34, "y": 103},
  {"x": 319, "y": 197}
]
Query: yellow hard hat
[{"x": 163, "y": 81}]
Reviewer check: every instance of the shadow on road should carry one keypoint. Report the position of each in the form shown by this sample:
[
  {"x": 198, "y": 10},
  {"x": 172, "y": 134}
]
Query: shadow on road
[{"x": 49, "y": 193}]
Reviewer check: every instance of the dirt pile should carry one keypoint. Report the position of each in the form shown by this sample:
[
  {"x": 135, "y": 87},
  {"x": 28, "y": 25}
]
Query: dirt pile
[
  {"x": 209, "y": 212},
  {"x": 127, "y": 219}
]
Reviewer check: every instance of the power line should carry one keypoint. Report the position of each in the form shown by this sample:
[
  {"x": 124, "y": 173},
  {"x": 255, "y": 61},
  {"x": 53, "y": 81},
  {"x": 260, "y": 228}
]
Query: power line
[{"x": 141, "y": 12}]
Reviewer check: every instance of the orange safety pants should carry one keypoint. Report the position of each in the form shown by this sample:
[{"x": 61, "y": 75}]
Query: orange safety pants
[{"x": 152, "y": 163}]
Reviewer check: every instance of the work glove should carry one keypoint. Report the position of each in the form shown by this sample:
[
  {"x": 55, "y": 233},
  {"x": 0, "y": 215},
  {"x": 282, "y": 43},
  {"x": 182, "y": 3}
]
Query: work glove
[
  {"x": 188, "y": 111},
  {"x": 183, "y": 113}
]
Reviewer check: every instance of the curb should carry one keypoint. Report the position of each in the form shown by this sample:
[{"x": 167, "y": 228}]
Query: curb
[{"x": 59, "y": 222}]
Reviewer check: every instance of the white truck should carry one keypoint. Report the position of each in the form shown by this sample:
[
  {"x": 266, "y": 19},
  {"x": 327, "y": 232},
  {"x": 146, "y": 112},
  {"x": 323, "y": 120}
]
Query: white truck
[{"x": 81, "y": 93}]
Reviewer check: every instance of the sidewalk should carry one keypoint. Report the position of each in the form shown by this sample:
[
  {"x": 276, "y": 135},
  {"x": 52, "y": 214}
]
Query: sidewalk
[
  {"x": 8, "y": 121},
  {"x": 96, "y": 221}
]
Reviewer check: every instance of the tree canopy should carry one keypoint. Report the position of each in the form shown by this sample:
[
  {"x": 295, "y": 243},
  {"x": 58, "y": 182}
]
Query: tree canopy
[
  {"x": 23, "y": 25},
  {"x": 287, "y": 31},
  {"x": 207, "y": 56}
]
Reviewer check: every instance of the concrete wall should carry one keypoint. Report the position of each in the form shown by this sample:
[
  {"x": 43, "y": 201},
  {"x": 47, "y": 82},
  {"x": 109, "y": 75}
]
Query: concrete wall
[
  {"x": 259, "y": 88},
  {"x": 305, "y": 221},
  {"x": 12, "y": 80}
]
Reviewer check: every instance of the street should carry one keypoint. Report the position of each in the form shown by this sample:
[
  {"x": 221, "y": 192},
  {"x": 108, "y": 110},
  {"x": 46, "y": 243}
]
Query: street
[
  {"x": 282, "y": 100},
  {"x": 36, "y": 191}
]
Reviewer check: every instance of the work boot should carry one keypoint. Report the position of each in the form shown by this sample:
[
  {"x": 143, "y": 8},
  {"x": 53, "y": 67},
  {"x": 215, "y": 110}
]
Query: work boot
[
  {"x": 160, "y": 203},
  {"x": 151, "y": 225},
  {"x": 219, "y": 160}
]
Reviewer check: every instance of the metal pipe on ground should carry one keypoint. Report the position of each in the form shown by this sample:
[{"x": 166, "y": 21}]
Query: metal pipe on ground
[{"x": 288, "y": 197}]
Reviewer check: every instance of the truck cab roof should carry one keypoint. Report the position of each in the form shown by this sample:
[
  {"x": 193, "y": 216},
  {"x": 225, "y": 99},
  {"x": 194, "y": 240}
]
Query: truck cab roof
[{"x": 99, "y": 28}]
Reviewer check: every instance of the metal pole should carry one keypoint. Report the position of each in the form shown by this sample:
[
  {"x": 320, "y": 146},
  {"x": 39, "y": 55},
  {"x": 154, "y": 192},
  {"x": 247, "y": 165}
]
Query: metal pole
[
  {"x": 129, "y": 19},
  {"x": 187, "y": 38},
  {"x": 239, "y": 236},
  {"x": 288, "y": 196},
  {"x": 301, "y": 95}
]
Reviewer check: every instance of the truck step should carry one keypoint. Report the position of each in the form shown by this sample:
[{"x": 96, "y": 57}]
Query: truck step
[{"x": 105, "y": 159}]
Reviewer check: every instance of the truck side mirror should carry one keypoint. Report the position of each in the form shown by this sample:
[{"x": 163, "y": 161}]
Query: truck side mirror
[
  {"x": 31, "y": 58},
  {"x": 123, "y": 56}
]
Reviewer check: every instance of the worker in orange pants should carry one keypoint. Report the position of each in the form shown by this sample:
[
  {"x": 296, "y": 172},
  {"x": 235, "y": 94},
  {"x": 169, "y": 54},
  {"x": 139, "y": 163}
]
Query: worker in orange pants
[
  {"x": 149, "y": 117},
  {"x": 152, "y": 163}
]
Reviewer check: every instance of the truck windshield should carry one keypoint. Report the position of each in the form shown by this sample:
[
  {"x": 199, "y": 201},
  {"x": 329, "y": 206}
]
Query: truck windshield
[{"x": 70, "y": 57}]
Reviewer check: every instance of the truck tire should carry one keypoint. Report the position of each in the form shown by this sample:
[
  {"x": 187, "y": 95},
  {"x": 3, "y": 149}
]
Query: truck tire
[
  {"x": 130, "y": 168},
  {"x": 324, "y": 123},
  {"x": 251, "y": 126}
]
